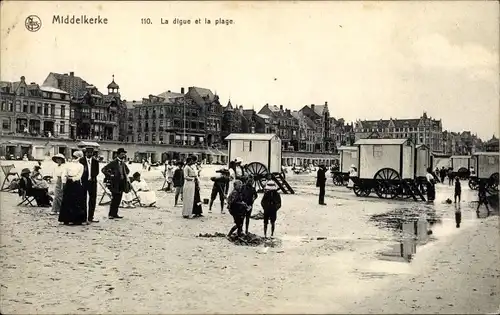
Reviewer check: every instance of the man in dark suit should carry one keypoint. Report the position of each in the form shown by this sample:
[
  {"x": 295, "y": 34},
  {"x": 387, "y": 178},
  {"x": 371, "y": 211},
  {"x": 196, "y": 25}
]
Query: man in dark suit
[
  {"x": 89, "y": 181},
  {"x": 116, "y": 176},
  {"x": 321, "y": 182}
]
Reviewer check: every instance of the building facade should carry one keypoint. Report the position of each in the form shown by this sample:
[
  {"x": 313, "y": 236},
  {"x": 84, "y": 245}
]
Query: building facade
[
  {"x": 94, "y": 116},
  {"x": 423, "y": 130},
  {"x": 307, "y": 132},
  {"x": 286, "y": 126},
  {"x": 37, "y": 111},
  {"x": 169, "y": 118},
  {"x": 232, "y": 120},
  {"x": 320, "y": 115}
]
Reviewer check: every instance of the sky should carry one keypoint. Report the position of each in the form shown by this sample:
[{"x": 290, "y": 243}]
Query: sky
[{"x": 368, "y": 60}]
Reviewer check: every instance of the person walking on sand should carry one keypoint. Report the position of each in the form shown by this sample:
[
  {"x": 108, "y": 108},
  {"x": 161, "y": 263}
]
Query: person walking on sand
[
  {"x": 116, "y": 176},
  {"x": 458, "y": 216},
  {"x": 458, "y": 190},
  {"x": 188, "y": 190},
  {"x": 169, "y": 174},
  {"x": 59, "y": 159},
  {"x": 89, "y": 182},
  {"x": 431, "y": 188},
  {"x": 178, "y": 181},
  {"x": 271, "y": 203},
  {"x": 483, "y": 199},
  {"x": 249, "y": 195},
  {"x": 237, "y": 208},
  {"x": 321, "y": 182},
  {"x": 73, "y": 201}
]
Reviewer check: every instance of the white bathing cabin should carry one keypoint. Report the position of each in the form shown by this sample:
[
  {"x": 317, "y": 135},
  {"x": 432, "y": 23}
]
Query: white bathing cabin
[
  {"x": 460, "y": 161},
  {"x": 377, "y": 154},
  {"x": 423, "y": 160},
  {"x": 348, "y": 157},
  {"x": 485, "y": 164},
  {"x": 256, "y": 147}
]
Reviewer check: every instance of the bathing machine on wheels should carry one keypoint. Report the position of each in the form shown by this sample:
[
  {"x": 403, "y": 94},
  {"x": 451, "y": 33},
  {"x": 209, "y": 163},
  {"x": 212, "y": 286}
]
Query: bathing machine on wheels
[
  {"x": 348, "y": 157},
  {"x": 486, "y": 165},
  {"x": 387, "y": 167},
  {"x": 262, "y": 155},
  {"x": 461, "y": 165},
  {"x": 423, "y": 160}
]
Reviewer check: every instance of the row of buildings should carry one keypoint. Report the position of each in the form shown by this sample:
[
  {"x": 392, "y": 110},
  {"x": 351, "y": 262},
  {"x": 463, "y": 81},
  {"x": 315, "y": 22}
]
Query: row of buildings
[{"x": 66, "y": 106}]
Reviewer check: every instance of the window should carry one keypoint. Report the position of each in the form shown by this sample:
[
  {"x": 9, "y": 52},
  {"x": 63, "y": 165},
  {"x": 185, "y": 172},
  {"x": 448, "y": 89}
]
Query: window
[
  {"x": 63, "y": 111},
  {"x": 39, "y": 109},
  {"x": 6, "y": 124},
  {"x": 46, "y": 109},
  {"x": 25, "y": 108},
  {"x": 247, "y": 146},
  {"x": 52, "y": 109},
  {"x": 61, "y": 127},
  {"x": 377, "y": 151}
]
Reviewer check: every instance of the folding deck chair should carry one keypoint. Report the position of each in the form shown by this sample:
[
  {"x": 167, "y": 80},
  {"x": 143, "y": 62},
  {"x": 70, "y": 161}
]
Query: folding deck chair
[
  {"x": 105, "y": 193},
  {"x": 26, "y": 200},
  {"x": 7, "y": 171},
  {"x": 136, "y": 201},
  {"x": 165, "y": 181}
]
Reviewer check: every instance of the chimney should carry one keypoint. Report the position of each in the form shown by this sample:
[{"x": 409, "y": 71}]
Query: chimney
[
  {"x": 281, "y": 107},
  {"x": 326, "y": 103},
  {"x": 288, "y": 112},
  {"x": 71, "y": 74},
  {"x": 169, "y": 91},
  {"x": 182, "y": 90},
  {"x": 312, "y": 106}
]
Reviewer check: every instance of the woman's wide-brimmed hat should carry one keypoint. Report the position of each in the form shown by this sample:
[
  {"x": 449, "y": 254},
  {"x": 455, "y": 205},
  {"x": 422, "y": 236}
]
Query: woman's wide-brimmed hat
[
  {"x": 271, "y": 185},
  {"x": 353, "y": 166},
  {"x": 78, "y": 154},
  {"x": 25, "y": 171},
  {"x": 59, "y": 156}
]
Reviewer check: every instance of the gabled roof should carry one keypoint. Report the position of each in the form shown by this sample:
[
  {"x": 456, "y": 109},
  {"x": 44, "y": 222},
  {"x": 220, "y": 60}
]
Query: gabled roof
[
  {"x": 252, "y": 136},
  {"x": 318, "y": 109},
  {"x": 309, "y": 122},
  {"x": 381, "y": 141},
  {"x": 201, "y": 94}
]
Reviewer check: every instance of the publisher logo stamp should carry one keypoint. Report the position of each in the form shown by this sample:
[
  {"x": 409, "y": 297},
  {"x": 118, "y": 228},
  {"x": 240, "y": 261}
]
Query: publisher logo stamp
[{"x": 33, "y": 23}]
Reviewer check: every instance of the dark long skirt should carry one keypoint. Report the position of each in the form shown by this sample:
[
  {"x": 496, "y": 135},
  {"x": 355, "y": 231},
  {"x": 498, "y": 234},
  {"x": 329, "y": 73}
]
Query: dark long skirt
[
  {"x": 73, "y": 208},
  {"x": 197, "y": 210},
  {"x": 431, "y": 192}
]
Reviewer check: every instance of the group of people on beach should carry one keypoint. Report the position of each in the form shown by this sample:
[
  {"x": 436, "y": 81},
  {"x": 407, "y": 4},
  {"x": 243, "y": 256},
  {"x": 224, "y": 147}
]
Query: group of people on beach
[{"x": 232, "y": 187}]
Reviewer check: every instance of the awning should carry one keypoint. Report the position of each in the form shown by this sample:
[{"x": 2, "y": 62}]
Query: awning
[
  {"x": 17, "y": 142},
  {"x": 58, "y": 144},
  {"x": 88, "y": 144}
]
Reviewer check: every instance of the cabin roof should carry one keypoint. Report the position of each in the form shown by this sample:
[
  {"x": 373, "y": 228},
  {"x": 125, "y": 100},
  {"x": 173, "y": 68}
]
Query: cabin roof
[
  {"x": 486, "y": 153},
  {"x": 346, "y": 148},
  {"x": 421, "y": 145},
  {"x": 251, "y": 136},
  {"x": 381, "y": 141}
]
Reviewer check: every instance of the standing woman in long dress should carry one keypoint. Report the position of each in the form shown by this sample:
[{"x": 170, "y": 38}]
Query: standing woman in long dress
[
  {"x": 197, "y": 208},
  {"x": 73, "y": 206},
  {"x": 59, "y": 159},
  {"x": 188, "y": 189}
]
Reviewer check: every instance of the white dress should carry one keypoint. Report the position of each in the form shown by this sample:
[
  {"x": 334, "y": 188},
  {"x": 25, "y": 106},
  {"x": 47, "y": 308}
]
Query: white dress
[
  {"x": 146, "y": 195},
  {"x": 232, "y": 178},
  {"x": 188, "y": 190}
]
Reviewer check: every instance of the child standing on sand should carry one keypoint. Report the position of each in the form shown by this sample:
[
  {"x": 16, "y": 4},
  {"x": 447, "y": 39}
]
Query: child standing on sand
[
  {"x": 458, "y": 190},
  {"x": 271, "y": 203}
]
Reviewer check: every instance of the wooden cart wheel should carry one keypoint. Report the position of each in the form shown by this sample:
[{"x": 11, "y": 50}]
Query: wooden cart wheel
[
  {"x": 366, "y": 192},
  {"x": 463, "y": 173},
  {"x": 258, "y": 172},
  {"x": 357, "y": 190},
  {"x": 387, "y": 174},
  {"x": 473, "y": 183},
  {"x": 338, "y": 180}
]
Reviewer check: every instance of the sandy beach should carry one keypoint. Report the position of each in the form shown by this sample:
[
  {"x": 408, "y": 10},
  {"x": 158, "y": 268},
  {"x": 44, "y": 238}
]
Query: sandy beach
[{"x": 328, "y": 259}]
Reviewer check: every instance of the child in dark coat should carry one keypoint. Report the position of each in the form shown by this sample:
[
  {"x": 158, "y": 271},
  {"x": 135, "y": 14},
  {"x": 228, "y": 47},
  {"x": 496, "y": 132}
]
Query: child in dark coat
[
  {"x": 237, "y": 208},
  {"x": 249, "y": 195},
  {"x": 178, "y": 181},
  {"x": 271, "y": 203}
]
